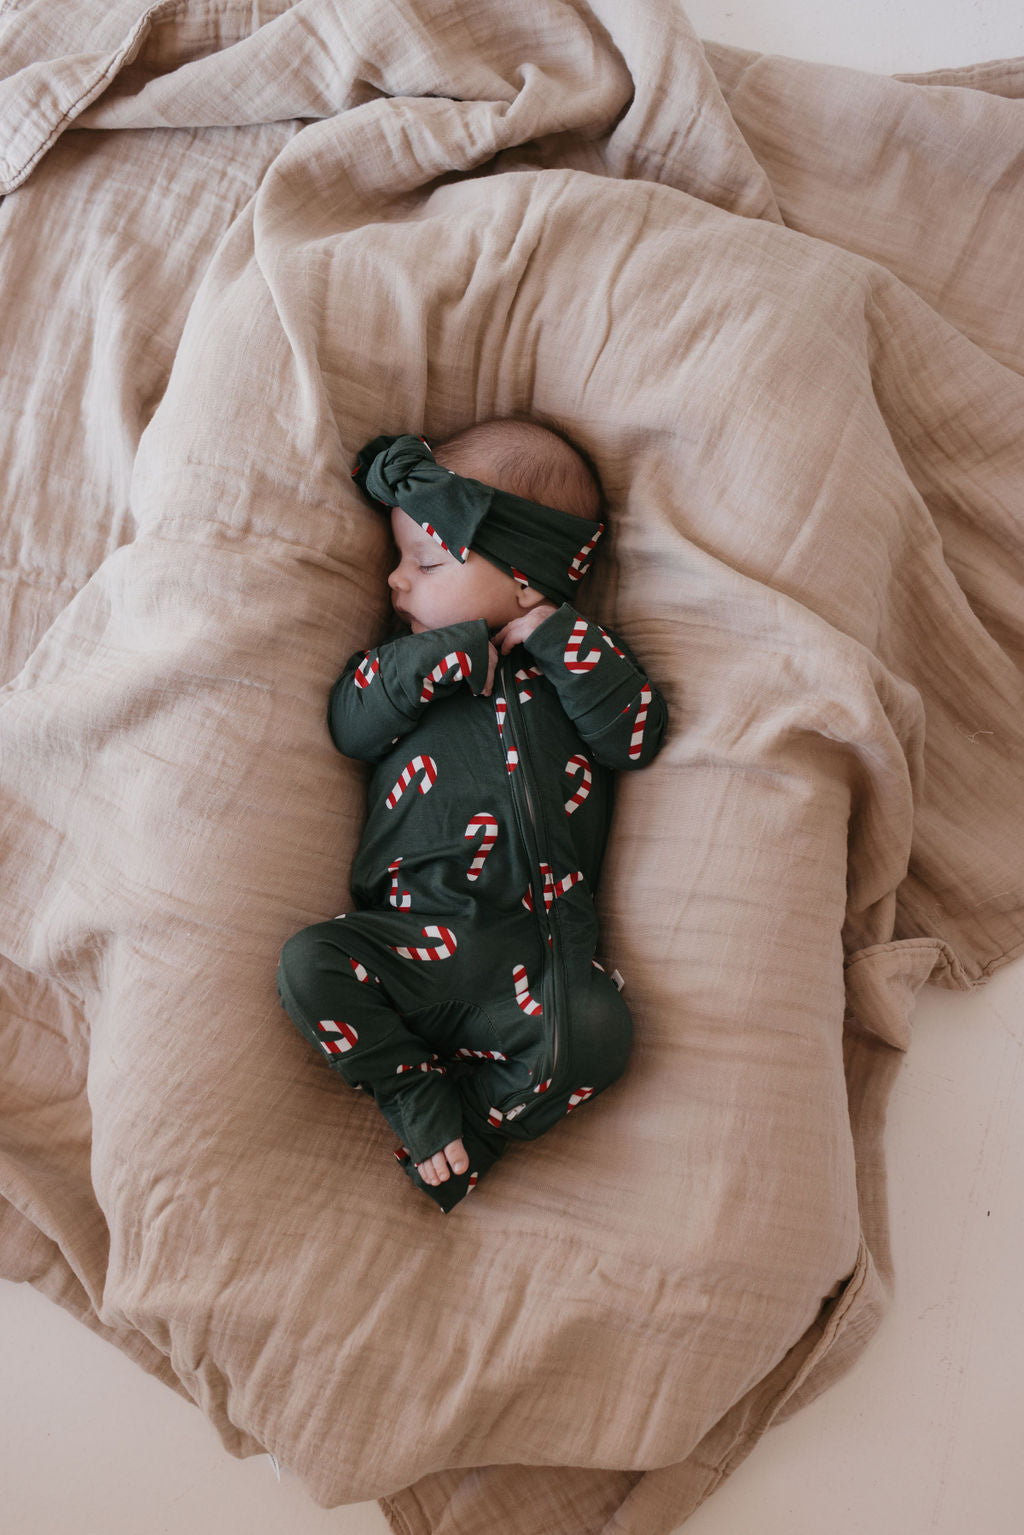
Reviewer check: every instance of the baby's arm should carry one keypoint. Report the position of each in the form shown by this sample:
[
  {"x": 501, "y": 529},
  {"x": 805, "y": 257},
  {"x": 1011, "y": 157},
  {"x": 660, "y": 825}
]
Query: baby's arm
[
  {"x": 382, "y": 693},
  {"x": 614, "y": 706}
]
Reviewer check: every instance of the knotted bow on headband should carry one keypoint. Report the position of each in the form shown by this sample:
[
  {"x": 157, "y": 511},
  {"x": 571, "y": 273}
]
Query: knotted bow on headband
[{"x": 538, "y": 545}]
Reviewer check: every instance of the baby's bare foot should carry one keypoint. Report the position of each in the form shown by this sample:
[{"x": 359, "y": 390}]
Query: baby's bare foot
[{"x": 435, "y": 1169}]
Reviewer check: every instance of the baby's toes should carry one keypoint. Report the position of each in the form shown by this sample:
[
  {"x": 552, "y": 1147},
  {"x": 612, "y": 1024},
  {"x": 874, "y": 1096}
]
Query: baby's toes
[{"x": 458, "y": 1158}]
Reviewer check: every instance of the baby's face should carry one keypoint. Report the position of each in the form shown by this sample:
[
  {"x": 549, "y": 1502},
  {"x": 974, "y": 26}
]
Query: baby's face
[{"x": 431, "y": 588}]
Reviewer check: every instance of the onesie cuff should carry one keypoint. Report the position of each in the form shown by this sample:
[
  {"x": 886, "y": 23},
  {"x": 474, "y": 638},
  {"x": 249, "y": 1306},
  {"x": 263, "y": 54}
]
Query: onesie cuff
[
  {"x": 483, "y": 1151},
  {"x": 426, "y": 651},
  {"x": 549, "y": 639},
  {"x": 595, "y": 681}
]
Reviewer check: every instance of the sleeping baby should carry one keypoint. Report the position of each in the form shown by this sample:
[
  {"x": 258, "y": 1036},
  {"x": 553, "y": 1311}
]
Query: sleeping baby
[{"x": 463, "y": 992}]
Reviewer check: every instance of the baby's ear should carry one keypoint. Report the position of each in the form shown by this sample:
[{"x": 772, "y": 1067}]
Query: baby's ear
[{"x": 528, "y": 599}]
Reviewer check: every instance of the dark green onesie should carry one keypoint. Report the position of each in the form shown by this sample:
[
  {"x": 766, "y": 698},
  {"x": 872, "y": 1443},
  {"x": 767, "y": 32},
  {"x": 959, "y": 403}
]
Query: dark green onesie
[{"x": 464, "y": 993}]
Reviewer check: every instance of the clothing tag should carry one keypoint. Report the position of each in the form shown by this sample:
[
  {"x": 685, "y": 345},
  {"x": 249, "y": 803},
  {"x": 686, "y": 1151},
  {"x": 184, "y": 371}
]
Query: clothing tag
[{"x": 616, "y": 980}]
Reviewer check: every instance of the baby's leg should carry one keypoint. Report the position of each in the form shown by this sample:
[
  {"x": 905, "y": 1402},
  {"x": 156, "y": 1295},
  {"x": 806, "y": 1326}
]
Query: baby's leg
[{"x": 338, "y": 1002}]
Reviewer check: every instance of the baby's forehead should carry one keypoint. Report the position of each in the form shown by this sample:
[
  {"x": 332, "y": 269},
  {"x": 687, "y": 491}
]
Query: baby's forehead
[{"x": 410, "y": 534}]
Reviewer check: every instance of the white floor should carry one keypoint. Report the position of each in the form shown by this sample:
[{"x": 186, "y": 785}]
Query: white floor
[{"x": 922, "y": 1438}]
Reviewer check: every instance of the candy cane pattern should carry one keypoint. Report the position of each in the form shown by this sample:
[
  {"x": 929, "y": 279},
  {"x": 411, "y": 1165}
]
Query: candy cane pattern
[
  {"x": 342, "y": 1036},
  {"x": 579, "y": 1096},
  {"x": 366, "y": 671},
  {"x": 404, "y": 901},
  {"x": 609, "y": 641},
  {"x": 580, "y": 563},
  {"x": 549, "y": 882},
  {"x": 552, "y": 888},
  {"x": 521, "y": 984},
  {"x": 511, "y": 755},
  {"x": 542, "y": 1087},
  {"x": 636, "y": 740},
  {"x": 483, "y": 822},
  {"x": 494, "y": 1116},
  {"x": 435, "y": 535},
  {"x": 422, "y": 1066},
  {"x": 523, "y": 675},
  {"x": 457, "y": 662},
  {"x": 573, "y": 661},
  {"x": 362, "y": 974},
  {"x": 517, "y": 575},
  {"x": 576, "y": 764},
  {"x": 444, "y": 950},
  {"x": 465, "y": 1054},
  {"x": 427, "y": 766}
]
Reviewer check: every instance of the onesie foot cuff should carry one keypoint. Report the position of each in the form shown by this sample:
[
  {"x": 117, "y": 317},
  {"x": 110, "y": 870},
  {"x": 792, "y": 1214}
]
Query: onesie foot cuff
[{"x": 482, "y": 1151}]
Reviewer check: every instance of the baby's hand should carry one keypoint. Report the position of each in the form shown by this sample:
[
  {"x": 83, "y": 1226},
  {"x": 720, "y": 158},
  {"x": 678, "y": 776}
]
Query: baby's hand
[
  {"x": 516, "y": 632},
  {"x": 435, "y": 1169}
]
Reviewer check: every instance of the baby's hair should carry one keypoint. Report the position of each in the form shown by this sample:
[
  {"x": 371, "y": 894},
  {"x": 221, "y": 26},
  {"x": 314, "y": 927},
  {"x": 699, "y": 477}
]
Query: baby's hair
[{"x": 525, "y": 459}]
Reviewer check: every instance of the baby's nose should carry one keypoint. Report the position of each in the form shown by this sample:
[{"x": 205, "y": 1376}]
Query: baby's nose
[{"x": 396, "y": 581}]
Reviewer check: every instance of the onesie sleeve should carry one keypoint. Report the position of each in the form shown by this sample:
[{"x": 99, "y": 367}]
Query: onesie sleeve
[
  {"x": 382, "y": 693},
  {"x": 615, "y": 707}
]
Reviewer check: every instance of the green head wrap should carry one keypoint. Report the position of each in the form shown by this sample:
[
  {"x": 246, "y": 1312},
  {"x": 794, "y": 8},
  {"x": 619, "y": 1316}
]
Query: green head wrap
[{"x": 538, "y": 545}]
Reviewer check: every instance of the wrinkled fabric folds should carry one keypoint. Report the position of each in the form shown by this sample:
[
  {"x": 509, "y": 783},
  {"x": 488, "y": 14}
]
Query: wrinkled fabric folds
[{"x": 778, "y": 305}]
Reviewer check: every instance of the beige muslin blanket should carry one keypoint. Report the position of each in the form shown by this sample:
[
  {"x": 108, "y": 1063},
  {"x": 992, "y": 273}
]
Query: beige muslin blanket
[{"x": 780, "y": 306}]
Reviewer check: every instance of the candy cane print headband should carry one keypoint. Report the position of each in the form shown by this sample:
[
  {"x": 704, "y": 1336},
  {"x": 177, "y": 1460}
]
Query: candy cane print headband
[{"x": 538, "y": 545}]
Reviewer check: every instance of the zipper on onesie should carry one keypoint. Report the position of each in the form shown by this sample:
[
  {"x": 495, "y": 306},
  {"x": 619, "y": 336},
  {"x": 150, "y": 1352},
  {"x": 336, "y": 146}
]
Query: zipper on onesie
[{"x": 530, "y": 824}]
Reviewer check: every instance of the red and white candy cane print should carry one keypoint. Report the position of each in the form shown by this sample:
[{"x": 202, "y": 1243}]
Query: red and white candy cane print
[
  {"x": 362, "y": 974},
  {"x": 609, "y": 641},
  {"x": 577, "y": 763},
  {"x": 425, "y": 765},
  {"x": 485, "y": 823},
  {"x": 580, "y": 562},
  {"x": 338, "y": 1036},
  {"x": 431, "y": 1065},
  {"x": 511, "y": 755},
  {"x": 457, "y": 663},
  {"x": 366, "y": 671},
  {"x": 579, "y": 1096},
  {"x": 403, "y": 901},
  {"x": 636, "y": 740},
  {"x": 549, "y": 881},
  {"x": 573, "y": 660},
  {"x": 435, "y": 535},
  {"x": 542, "y": 1087},
  {"x": 528, "y": 1004},
  {"x": 465, "y": 1054},
  {"x": 524, "y": 674},
  {"x": 553, "y": 888},
  {"x": 443, "y": 950},
  {"x": 517, "y": 575}
]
